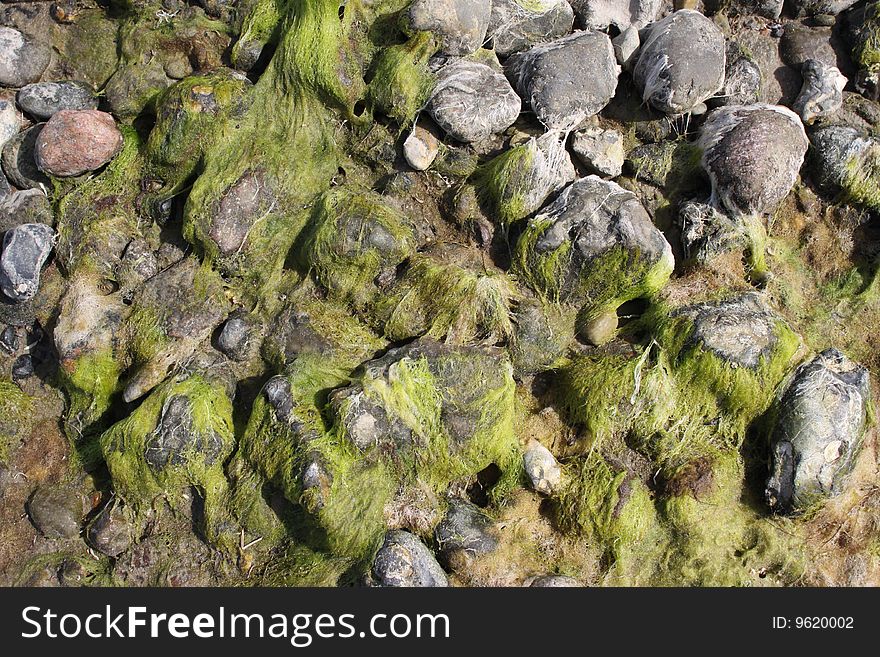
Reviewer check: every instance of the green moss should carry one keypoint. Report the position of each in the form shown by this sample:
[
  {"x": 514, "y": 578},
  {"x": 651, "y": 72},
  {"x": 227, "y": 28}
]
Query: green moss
[
  {"x": 861, "y": 178},
  {"x": 351, "y": 238},
  {"x": 259, "y": 25},
  {"x": 866, "y": 50},
  {"x": 141, "y": 485},
  {"x": 504, "y": 183},
  {"x": 402, "y": 84},
  {"x": 90, "y": 382},
  {"x": 147, "y": 335},
  {"x": 449, "y": 302},
  {"x": 16, "y": 417}
]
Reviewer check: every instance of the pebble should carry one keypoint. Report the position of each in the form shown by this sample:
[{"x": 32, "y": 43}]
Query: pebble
[
  {"x": 420, "y": 148},
  {"x": 42, "y": 99},
  {"x": 404, "y": 561},
  {"x": 542, "y": 468},
  {"x": 234, "y": 338},
  {"x": 74, "y": 142},
  {"x": 822, "y": 93},
  {"x": 56, "y": 510}
]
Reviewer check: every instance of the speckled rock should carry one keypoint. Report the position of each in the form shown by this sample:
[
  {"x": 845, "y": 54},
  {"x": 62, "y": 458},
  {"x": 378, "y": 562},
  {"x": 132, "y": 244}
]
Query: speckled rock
[
  {"x": 404, "y": 561},
  {"x": 42, "y": 99},
  {"x": 25, "y": 250},
  {"x": 22, "y": 58},
  {"x": 74, "y": 142},
  {"x": 57, "y": 510},
  {"x": 818, "y": 432},
  {"x": 517, "y": 25},
  {"x": 461, "y": 25}
]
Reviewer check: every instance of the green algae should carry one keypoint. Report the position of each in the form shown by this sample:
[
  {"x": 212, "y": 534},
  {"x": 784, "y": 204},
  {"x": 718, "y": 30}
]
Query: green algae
[
  {"x": 401, "y": 81},
  {"x": 504, "y": 184},
  {"x": 16, "y": 418}
]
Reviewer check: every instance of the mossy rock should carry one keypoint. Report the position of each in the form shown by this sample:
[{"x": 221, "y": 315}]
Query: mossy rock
[
  {"x": 401, "y": 81},
  {"x": 16, "y": 416}
]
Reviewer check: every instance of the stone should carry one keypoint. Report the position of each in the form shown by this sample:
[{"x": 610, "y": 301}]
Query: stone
[
  {"x": 554, "y": 581},
  {"x": 601, "y": 14},
  {"x": 542, "y": 469},
  {"x": 842, "y": 158},
  {"x": 74, "y": 142},
  {"x": 366, "y": 424},
  {"x": 235, "y": 337},
  {"x": 472, "y": 101},
  {"x": 681, "y": 62},
  {"x": 740, "y": 330},
  {"x": 176, "y": 558},
  {"x": 518, "y": 25},
  {"x": 800, "y": 42},
  {"x": 742, "y": 79},
  {"x": 138, "y": 264},
  {"x": 626, "y": 45},
  {"x": 566, "y": 80},
  {"x": 57, "y": 510},
  {"x": 420, "y": 148},
  {"x": 22, "y": 58},
  {"x": 10, "y": 120},
  {"x": 42, "y": 99},
  {"x": 110, "y": 531},
  {"x": 600, "y": 150},
  {"x": 237, "y": 210},
  {"x": 404, "y": 561},
  {"x": 770, "y": 9},
  {"x": 818, "y": 432},
  {"x": 19, "y": 162},
  {"x": 465, "y": 529},
  {"x": 540, "y": 336},
  {"x": 707, "y": 232},
  {"x": 176, "y": 440},
  {"x": 753, "y": 154},
  {"x": 29, "y": 206},
  {"x": 600, "y": 329},
  {"x": 461, "y": 25},
  {"x": 25, "y": 250},
  {"x": 22, "y": 367},
  {"x": 822, "y": 93}
]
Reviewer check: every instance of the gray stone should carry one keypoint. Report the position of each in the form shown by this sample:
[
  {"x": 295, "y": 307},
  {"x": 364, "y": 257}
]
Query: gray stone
[
  {"x": 554, "y": 581},
  {"x": 600, "y": 150},
  {"x": 822, "y": 93},
  {"x": 461, "y": 25},
  {"x": 740, "y": 330},
  {"x": 681, "y": 62},
  {"x": 593, "y": 216},
  {"x": 235, "y": 337},
  {"x": 801, "y": 42},
  {"x": 818, "y": 431},
  {"x": 292, "y": 334},
  {"x": 365, "y": 422},
  {"x": 518, "y": 25},
  {"x": 742, "y": 79},
  {"x": 707, "y": 233},
  {"x": 821, "y": 8},
  {"x": 138, "y": 264},
  {"x": 110, "y": 531},
  {"x": 420, "y": 148},
  {"x": 22, "y": 58},
  {"x": 404, "y": 561},
  {"x": 541, "y": 468},
  {"x": 626, "y": 45},
  {"x": 539, "y": 338},
  {"x": 175, "y": 441},
  {"x": 601, "y": 14},
  {"x": 753, "y": 154},
  {"x": 10, "y": 121},
  {"x": 471, "y": 101},
  {"x": 765, "y": 8},
  {"x": 29, "y": 206},
  {"x": 57, "y": 510},
  {"x": 278, "y": 394},
  {"x": 42, "y": 99},
  {"x": 567, "y": 80},
  {"x": 25, "y": 250},
  {"x": 19, "y": 161},
  {"x": 838, "y": 152},
  {"x": 247, "y": 199},
  {"x": 465, "y": 530}
]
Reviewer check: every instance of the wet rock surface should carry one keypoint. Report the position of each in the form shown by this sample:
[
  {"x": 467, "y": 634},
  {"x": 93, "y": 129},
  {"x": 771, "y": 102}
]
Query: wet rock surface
[
  {"x": 74, "y": 142},
  {"x": 42, "y": 99}
]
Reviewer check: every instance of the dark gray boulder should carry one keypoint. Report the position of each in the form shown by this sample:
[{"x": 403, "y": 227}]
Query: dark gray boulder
[
  {"x": 25, "y": 250},
  {"x": 404, "y": 561},
  {"x": 818, "y": 431},
  {"x": 681, "y": 62},
  {"x": 822, "y": 93},
  {"x": 42, "y": 99},
  {"x": 516, "y": 25},
  {"x": 461, "y": 25}
]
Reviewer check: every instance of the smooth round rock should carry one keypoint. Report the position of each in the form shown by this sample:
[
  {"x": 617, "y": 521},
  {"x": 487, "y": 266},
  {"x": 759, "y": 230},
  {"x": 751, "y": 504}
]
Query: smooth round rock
[
  {"x": 56, "y": 510},
  {"x": 542, "y": 468},
  {"x": 22, "y": 58},
  {"x": 420, "y": 148},
  {"x": 234, "y": 338},
  {"x": 19, "y": 163},
  {"x": 461, "y": 25},
  {"x": 25, "y": 250},
  {"x": 43, "y": 99},
  {"x": 404, "y": 561},
  {"x": 74, "y": 142}
]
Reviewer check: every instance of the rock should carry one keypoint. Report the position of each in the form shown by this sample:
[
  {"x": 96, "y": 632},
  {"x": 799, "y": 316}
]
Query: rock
[
  {"x": 110, "y": 531},
  {"x": 567, "y": 80},
  {"x": 57, "y": 510},
  {"x": 177, "y": 558},
  {"x": 420, "y": 148},
  {"x": 600, "y": 329},
  {"x": 10, "y": 121},
  {"x": 516, "y": 25},
  {"x": 138, "y": 264},
  {"x": 843, "y": 158},
  {"x": 601, "y": 14},
  {"x": 541, "y": 468},
  {"x": 739, "y": 330},
  {"x": 404, "y": 561},
  {"x": 780, "y": 83},
  {"x": 471, "y": 101},
  {"x": 25, "y": 250},
  {"x": 247, "y": 199},
  {"x": 465, "y": 532},
  {"x": 626, "y": 45},
  {"x": 22, "y": 58},
  {"x": 594, "y": 222},
  {"x": 770, "y": 9},
  {"x": 278, "y": 394},
  {"x": 74, "y": 142},
  {"x": 19, "y": 162},
  {"x": 461, "y": 25},
  {"x": 365, "y": 422},
  {"x": 822, "y": 93},
  {"x": 292, "y": 334},
  {"x": 600, "y": 150},
  {"x": 818, "y": 432},
  {"x": 176, "y": 439},
  {"x": 554, "y": 581},
  {"x": 5, "y": 190},
  {"x": 800, "y": 43},
  {"x": 706, "y": 232},
  {"x": 681, "y": 62},
  {"x": 22, "y": 367},
  {"x": 742, "y": 79},
  {"x": 29, "y": 206},
  {"x": 753, "y": 154},
  {"x": 42, "y": 99},
  {"x": 821, "y": 8}
]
